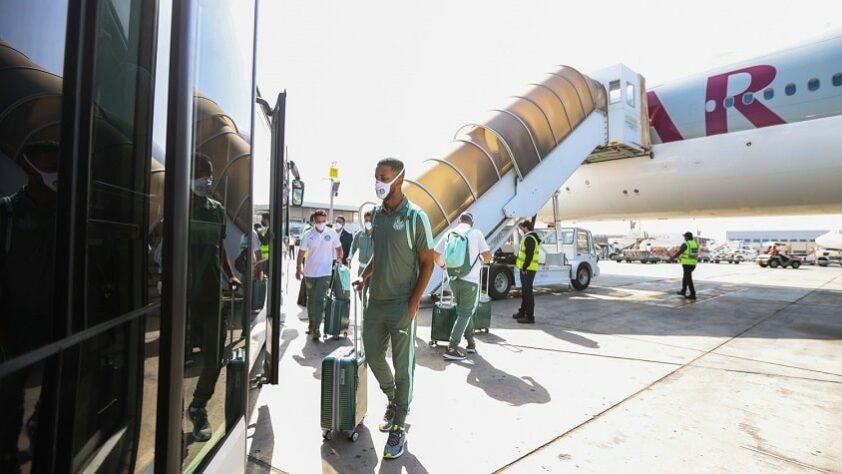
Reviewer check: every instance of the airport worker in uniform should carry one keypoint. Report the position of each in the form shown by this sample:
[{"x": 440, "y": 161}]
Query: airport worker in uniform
[
  {"x": 396, "y": 277},
  {"x": 689, "y": 253},
  {"x": 527, "y": 264},
  {"x": 322, "y": 247},
  {"x": 466, "y": 289}
]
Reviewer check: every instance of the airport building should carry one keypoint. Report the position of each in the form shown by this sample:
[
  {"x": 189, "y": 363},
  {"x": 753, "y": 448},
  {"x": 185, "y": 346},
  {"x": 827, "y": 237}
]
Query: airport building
[{"x": 755, "y": 238}]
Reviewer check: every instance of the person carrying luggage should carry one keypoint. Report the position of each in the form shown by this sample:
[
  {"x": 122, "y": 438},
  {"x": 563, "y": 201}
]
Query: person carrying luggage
[
  {"x": 397, "y": 275},
  {"x": 322, "y": 247},
  {"x": 461, "y": 254}
]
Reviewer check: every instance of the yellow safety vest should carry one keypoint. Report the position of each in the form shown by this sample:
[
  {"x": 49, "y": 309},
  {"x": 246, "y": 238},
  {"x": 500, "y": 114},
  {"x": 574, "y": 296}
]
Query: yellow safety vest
[
  {"x": 691, "y": 253},
  {"x": 521, "y": 255},
  {"x": 264, "y": 248}
]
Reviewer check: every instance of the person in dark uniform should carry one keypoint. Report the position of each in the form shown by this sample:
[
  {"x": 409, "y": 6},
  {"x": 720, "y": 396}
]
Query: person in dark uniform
[
  {"x": 527, "y": 263},
  {"x": 345, "y": 237},
  {"x": 27, "y": 254},
  {"x": 689, "y": 253},
  {"x": 207, "y": 258}
]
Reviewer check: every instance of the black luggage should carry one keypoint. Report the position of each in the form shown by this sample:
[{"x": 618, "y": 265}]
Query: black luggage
[{"x": 444, "y": 316}]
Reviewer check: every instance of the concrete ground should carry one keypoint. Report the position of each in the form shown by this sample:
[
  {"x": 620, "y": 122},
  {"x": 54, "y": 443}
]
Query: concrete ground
[{"x": 626, "y": 376}]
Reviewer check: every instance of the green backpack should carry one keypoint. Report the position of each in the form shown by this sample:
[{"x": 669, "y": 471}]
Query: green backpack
[{"x": 457, "y": 259}]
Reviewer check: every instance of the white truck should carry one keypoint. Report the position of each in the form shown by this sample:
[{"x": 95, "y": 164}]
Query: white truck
[{"x": 568, "y": 257}]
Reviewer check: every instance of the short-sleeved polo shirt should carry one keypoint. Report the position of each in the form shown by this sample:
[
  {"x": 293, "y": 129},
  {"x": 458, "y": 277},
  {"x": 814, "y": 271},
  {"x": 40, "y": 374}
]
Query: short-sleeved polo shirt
[
  {"x": 321, "y": 252},
  {"x": 396, "y": 264}
]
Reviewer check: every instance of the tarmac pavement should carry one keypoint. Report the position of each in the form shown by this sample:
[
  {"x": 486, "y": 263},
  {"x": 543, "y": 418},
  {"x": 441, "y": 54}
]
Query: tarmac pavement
[{"x": 625, "y": 376}]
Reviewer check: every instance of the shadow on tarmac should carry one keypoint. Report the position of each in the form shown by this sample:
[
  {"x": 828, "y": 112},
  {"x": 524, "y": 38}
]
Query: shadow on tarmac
[
  {"x": 313, "y": 352},
  {"x": 502, "y": 386}
]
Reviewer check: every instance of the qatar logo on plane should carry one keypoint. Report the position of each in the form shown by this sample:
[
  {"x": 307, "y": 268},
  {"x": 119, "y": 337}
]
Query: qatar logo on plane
[{"x": 716, "y": 114}]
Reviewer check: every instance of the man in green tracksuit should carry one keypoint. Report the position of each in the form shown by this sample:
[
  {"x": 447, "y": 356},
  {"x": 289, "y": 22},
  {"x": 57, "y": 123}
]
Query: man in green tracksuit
[
  {"x": 363, "y": 243},
  {"x": 398, "y": 273}
]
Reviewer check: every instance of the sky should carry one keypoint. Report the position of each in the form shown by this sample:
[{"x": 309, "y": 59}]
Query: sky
[{"x": 367, "y": 80}]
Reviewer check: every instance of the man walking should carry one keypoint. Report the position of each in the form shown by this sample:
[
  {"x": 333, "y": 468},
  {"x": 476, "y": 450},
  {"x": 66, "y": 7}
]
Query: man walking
[
  {"x": 689, "y": 253},
  {"x": 345, "y": 237},
  {"x": 321, "y": 246},
  {"x": 466, "y": 288},
  {"x": 363, "y": 244},
  {"x": 399, "y": 270},
  {"x": 527, "y": 264}
]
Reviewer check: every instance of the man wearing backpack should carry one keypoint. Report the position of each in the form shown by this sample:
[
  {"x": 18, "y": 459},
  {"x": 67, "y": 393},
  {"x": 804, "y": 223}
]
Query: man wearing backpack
[
  {"x": 459, "y": 254},
  {"x": 399, "y": 271}
]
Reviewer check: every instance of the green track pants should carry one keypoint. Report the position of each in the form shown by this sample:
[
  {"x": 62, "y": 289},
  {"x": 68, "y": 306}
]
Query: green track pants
[
  {"x": 385, "y": 322},
  {"x": 316, "y": 292},
  {"x": 466, "y": 295}
]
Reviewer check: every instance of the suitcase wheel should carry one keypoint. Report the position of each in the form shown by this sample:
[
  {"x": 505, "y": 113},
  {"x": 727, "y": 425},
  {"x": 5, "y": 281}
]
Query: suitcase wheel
[
  {"x": 433, "y": 343},
  {"x": 354, "y": 436},
  {"x": 327, "y": 435}
]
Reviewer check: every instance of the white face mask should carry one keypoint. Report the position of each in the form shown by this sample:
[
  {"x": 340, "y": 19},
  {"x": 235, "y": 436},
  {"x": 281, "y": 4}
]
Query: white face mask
[
  {"x": 202, "y": 186},
  {"x": 320, "y": 226},
  {"x": 368, "y": 226},
  {"x": 50, "y": 180},
  {"x": 337, "y": 227},
  {"x": 382, "y": 189}
]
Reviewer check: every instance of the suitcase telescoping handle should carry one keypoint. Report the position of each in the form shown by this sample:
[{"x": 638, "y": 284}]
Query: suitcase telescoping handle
[
  {"x": 357, "y": 326},
  {"x": 484, "y": 289},
  {"x": 444, "y": 281}
]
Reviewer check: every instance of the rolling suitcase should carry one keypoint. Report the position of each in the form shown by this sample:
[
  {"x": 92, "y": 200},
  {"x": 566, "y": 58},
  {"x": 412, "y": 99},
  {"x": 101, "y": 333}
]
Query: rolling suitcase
[
  {"x": 482, "y": 318},
  {"x": 444, "y": 316},
  {"x": 337, "y": 308},
  {"x": 344, "y": 388}
]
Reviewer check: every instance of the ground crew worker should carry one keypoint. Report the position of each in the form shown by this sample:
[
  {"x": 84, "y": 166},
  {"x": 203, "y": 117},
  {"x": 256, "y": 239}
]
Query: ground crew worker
[
  {"x": 265, "y": 236},
  {"x": 363, "y": 244},
  {"x": 689, "y": 253},
  {"x": 466, "y": 288},
  {"x": 527, "y": 264},
  {"x": 206, "y": 261},
  {"x": 399, "y": 271},
  {"x": 322, "y": 247}
]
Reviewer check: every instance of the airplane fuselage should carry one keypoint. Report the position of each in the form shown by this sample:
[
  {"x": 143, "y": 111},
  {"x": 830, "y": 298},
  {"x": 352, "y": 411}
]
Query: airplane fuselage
[{"x": 757, "y": 138}]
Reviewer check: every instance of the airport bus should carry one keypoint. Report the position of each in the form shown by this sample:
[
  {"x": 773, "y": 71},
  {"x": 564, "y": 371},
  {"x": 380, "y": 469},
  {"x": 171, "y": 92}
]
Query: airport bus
[{"x": 128, "y": 335}]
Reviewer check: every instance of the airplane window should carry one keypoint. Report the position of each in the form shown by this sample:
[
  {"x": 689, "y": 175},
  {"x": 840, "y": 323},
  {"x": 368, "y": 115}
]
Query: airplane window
[
  {"x": 790, "y": 89},
  {"x": 769, "y": 93},
  {"x": 837, "y": 79},
  {"x": 728, "y": 102},
  {"x": 748, "y": 98},
  {"x": 813, "y": 84}
]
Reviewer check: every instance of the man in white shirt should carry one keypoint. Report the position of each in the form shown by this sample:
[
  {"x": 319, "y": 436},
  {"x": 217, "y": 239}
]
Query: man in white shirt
[
  {"x": 466, "y": 288},
  {"x": 322, "y": 247}
]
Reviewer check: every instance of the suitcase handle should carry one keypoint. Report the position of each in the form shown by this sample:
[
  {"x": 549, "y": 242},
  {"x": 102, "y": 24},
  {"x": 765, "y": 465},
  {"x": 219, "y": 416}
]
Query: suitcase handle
[
  {"x": 445, "y": 280},
  {"x": 357, "y": 296}
]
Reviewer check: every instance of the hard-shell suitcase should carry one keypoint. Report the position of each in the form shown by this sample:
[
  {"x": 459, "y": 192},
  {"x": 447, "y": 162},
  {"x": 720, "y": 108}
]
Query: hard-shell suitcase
[
  {"x": 337, "y": 316},
  {"x": 444, "y": 316},
  {"x": 337, "y": 309},
  {"x": 258, "y": 294},
  {"x": 482, "y": 318},
  {"x": 344, "y": 388},
  {"x": 235, "y": 381}
]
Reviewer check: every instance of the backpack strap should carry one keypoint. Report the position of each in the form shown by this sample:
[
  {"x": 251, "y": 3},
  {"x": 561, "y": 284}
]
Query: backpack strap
[{"x": 7, "y": 213}]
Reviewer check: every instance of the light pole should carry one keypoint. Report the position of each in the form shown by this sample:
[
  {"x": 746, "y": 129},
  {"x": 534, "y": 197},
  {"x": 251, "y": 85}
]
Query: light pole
[{"x": 334, "y": 188}]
